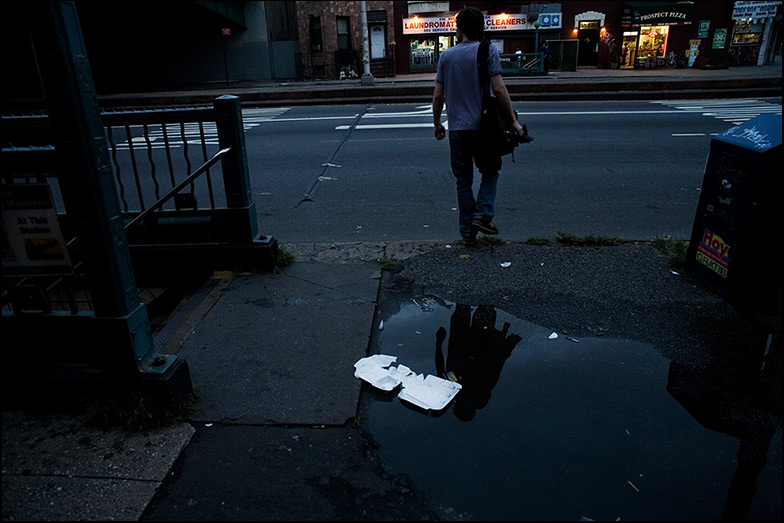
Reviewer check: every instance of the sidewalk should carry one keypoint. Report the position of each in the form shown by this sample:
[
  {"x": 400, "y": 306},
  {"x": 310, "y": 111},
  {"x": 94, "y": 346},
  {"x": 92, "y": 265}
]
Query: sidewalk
[
  {"x": 279, "y": 432},
  {"x": 586, "y": 83}
]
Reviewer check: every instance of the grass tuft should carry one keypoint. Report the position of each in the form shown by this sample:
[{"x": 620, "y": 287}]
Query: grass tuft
[
  {"x": 672, "y": 249},
  {"x": 590, "y": 240}
]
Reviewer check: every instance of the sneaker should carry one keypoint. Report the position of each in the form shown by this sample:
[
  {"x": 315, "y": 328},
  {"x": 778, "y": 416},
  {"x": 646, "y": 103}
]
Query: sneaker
[
  {"x": 484, "y": 225},
  {"x": 469, "y": 238}
]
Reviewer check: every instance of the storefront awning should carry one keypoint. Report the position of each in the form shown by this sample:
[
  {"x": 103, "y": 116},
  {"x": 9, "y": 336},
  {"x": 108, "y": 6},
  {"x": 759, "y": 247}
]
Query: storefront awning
[{"x": 637, "y": 14}]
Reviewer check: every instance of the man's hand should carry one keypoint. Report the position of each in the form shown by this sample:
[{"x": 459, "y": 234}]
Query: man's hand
[
  {"x": 502, "y": 95},
  {"x": 438, "y": 105},
  {"x": 439, "y": 132}
]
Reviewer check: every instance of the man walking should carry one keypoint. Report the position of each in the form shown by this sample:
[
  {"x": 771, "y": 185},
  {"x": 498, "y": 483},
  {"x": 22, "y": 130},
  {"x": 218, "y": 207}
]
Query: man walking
[
  {"x": 458, "y": 86},
  {"x": 546, "y": 57}
]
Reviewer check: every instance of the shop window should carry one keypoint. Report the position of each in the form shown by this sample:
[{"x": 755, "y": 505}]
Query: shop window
[
  {"x": 344, "y": 33},
  {"x": 423, "y": 52},
  {"x": 444, "y": 43},
  {"x": 653, "y": 41},
  {"x": 315, "y": 34},
  {"x": 747, "y": 32}
]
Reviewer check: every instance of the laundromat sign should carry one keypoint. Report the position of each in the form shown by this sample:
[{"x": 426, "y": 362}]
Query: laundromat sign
[{"x": 502, "y": 22}]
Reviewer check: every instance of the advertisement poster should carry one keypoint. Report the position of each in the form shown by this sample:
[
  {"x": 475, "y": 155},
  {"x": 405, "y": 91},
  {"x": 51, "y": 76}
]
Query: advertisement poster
[
  {"x": 719, "y": 39},
  {"x": 694, "y": 50},
  {"x": 33, "y": 244}
]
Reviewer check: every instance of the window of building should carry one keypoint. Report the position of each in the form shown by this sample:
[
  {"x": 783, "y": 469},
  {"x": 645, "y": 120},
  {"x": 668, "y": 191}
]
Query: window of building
[
  {"x": 653, "y": 41},
  {"x": 344, "y": 33},
  {"x": 315, "y": 34}
]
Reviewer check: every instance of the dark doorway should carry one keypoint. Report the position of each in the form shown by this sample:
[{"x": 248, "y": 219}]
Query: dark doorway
[{"x": 589, "y": 47}]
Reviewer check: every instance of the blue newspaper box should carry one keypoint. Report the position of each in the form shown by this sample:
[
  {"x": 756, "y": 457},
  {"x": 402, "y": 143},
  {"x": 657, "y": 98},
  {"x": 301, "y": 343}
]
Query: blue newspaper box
[{"x": 735, "y": 240}]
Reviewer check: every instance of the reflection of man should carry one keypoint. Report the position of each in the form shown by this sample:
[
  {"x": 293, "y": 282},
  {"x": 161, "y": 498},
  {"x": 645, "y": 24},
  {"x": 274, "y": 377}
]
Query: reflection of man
[{"x": 477, "y": 353}]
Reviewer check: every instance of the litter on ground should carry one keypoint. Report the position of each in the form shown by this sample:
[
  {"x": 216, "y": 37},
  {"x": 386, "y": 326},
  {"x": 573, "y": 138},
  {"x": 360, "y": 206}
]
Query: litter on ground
[{"x": 427, "y": 392}]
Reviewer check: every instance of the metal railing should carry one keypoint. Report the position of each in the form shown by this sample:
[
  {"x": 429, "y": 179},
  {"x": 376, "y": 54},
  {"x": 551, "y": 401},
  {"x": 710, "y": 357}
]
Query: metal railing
[
  {"x": 150, "y": 151},
  {"x": 521, "y": 64},
  {"x": 173, "y": 212}
]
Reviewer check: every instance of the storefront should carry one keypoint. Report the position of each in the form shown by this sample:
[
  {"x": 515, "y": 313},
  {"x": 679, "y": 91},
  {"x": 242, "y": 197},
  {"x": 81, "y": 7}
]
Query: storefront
[
  {"x": 646, "y": 31},
  {"x": 753, "y": 34},
  {"x": 424, "y": 51},
  {"x": 429, "y": 36}
]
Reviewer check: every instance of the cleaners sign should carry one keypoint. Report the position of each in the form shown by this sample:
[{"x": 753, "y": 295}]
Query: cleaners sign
[
  {"x": 502, "y": 22},
  {"x": 33, "y": 244},
  {"x": 714, "y": 253}
]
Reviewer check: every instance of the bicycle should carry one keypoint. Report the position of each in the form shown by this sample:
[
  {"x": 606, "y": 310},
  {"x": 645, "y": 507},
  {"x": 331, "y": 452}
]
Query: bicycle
[{"x": 674, "y": 60}]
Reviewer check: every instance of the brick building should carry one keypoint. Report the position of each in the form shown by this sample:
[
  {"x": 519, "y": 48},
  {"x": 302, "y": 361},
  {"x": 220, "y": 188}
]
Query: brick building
[{"x": 330, "y": 35}]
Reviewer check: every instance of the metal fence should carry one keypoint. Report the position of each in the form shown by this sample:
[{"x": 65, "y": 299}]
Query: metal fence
[{"x": 181, "y": 178}]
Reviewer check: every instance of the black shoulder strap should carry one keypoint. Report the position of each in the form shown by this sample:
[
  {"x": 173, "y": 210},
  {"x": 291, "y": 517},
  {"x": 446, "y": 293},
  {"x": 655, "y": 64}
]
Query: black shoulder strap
[{"x": 481, "y": 59}]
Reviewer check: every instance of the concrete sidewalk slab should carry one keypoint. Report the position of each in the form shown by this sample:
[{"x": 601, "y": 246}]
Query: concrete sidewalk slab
[
  {"x": 272, "y": 340},
  {"x": 57, "y": 469}
]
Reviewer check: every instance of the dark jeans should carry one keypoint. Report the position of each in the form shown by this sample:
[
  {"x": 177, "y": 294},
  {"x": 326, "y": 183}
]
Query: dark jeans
[{"x": 465, "y": 151}]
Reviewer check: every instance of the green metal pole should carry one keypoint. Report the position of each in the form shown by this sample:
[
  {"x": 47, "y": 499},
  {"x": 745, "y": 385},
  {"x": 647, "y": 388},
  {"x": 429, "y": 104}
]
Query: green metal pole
[
  {"x": 236, "y": 176},
  {"x": 93, "y": 206}
]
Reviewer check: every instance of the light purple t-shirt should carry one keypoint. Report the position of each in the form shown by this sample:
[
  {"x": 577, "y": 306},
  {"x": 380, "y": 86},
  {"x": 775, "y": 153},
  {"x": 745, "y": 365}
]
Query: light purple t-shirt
[{"x": 458, "y": 71}]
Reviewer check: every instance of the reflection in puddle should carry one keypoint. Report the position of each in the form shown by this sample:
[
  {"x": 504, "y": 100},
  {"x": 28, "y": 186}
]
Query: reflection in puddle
[
  {"x": 475, "y": 357},
  {"x": 545, "y": 428}
]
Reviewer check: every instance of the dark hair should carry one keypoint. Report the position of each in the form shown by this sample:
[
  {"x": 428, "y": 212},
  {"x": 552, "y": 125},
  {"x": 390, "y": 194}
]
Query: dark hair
[{"x": 472, "y": 22}]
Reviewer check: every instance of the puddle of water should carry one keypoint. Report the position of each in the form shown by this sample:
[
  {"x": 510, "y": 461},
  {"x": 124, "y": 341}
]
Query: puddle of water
[{"x": 571, "y": 429}]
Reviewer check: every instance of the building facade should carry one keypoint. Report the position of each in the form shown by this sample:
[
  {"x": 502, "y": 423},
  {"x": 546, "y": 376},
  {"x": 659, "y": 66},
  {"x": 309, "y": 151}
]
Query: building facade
[
  {"x": 629, "y": 35},
  {"x": 331, "y": 38},
  {"x": 171, "y": 44}
]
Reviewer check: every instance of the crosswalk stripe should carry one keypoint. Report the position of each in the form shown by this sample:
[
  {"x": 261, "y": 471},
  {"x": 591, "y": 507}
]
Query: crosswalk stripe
[
  {"x": 251, "y": 118},
  {"x": 732, "y": 111}
]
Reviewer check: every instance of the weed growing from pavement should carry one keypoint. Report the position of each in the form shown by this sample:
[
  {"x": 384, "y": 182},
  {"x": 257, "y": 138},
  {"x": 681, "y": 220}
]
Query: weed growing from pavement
[
  {"x": 591, "y": 240},
  {"x": 285, "y": 257},
  {"x": 386, "y": 265},
  {"x": 493, "y": 240},
  {"x": 539, "y": 241},
  {"x": 136, "y": 413},
  {"x": 673, "y": 250}
]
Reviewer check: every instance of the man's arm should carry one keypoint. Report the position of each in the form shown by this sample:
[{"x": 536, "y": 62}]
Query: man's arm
[
  {"x": 438, "y": 105},
  {"x": 502, "y": 95}
]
